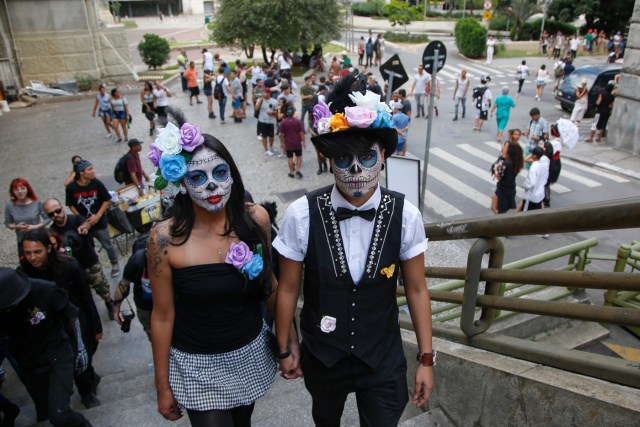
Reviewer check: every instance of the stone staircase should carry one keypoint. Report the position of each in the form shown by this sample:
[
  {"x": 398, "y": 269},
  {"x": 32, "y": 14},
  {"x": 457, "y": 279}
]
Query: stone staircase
[{"x": 128, "y": 396}]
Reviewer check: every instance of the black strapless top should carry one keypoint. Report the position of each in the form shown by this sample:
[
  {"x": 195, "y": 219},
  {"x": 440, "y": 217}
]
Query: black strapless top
[{"x": 212, "y": 311}]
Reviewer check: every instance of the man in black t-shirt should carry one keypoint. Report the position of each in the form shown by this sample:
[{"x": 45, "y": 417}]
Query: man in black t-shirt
[
  {"x": 89, "y": 198},
  {"x": 72, "y": 231},
  {"x": 136, "y": 273}
]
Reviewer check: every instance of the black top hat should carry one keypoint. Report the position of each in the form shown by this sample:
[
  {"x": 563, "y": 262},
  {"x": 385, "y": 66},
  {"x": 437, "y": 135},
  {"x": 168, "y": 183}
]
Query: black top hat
[
  {"x": 14, "y": 286},
  {"x": 338, "y": 142}
]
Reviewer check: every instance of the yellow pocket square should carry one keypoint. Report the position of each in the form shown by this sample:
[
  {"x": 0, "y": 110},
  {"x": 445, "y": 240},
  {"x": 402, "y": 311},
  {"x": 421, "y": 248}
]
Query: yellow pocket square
[{"x": 388, "y": 271}]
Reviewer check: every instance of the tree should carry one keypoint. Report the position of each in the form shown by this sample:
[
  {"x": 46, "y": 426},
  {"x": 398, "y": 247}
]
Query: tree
[
  {"x": 471, "y": 37},
  {"x": 607, "y": 15},
  {"x": 401, "y": 13},
  {"x": 273, "y": 25},
  {"x": 154, "y": 50},
  {"x": 115, "y": 10},
  {"x": 521, "y": 11}
]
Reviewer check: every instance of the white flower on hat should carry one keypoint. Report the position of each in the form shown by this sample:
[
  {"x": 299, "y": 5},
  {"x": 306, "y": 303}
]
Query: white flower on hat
[
  {"x": 383, "y": 107},
  {"x": 323, "y": 125},
  {"x": 328, "y": 324},
  {"x": 168, "y": 140},
  {"x": 369, "y": 100}
]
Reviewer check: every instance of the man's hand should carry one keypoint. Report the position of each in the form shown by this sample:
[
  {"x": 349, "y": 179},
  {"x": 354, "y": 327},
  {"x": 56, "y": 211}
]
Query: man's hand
[
  {"x": 423, "y": 386},
  {"x": 99, "y": 336},
  {"x": 83, "y": 229}
]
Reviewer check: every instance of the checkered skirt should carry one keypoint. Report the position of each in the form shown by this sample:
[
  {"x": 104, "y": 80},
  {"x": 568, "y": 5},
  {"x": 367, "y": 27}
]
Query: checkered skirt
[{"x": 202, "y": 382}]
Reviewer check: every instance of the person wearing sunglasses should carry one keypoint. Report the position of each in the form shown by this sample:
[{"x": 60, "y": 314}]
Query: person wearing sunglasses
[
  {"x": 354, "y": 238},
  {"x": 73, "y": 233}
]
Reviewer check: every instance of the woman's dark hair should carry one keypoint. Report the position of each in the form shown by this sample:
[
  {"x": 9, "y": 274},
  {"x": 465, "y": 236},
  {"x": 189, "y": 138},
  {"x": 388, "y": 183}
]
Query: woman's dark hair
[
  {"x": 74, "y": 159},
  {"x": 54, "y": 258},
  {"x": 148, "y": 86},
  {"x": 239, "y": 220},
  {"x": 516, "y": 156},
  {"x": 113, "y": 91}
]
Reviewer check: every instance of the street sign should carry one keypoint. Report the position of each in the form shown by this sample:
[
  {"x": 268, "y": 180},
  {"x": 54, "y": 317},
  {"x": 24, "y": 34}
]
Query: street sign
[
  {"x": 487, "y": 5},
  {"x": 487, "y": 15},
  {"x": 393, "y": 72},
  {"x": 427, "y": 56}
]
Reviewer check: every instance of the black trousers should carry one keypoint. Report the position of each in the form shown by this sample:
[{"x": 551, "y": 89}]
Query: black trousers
[
  {"x": 51, "y": 387},
  {"x": 381, "y": 393}
]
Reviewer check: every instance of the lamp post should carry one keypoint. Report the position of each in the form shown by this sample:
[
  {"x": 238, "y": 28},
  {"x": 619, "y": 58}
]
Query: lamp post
[{"x": 545, "y": 7}]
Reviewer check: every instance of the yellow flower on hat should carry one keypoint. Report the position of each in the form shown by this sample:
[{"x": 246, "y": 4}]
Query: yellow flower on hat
[
  {"x": 338, "y": 122},
  {"x": 388, "y": 271}
]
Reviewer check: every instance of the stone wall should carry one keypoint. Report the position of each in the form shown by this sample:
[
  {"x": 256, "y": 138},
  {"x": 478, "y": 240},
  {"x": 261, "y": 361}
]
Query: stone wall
[
  {"x": 624, "y": 125},
  {"x": 65, "y": 40},
  {"x": 62, "y": 55},
  {"x": 474, "y": 388}
]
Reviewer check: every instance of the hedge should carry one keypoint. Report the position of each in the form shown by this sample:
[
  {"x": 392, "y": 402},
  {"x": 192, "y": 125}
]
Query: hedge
[
  {"x": 499, "y": 23},
  {"x": 370, "y": 8},
  {"x": 531, "y": 30},
  {"x": 471, "y": 38}
]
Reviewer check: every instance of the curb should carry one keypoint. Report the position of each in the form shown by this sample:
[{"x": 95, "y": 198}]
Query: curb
[{"x": 605, "y": 166}]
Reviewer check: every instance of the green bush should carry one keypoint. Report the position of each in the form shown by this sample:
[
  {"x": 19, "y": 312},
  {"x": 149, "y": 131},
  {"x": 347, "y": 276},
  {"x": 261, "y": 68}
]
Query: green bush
[
  {"x": 406, "y": 37},
  {"x": 370, "y": 8},
  {"x": 85, "y": 81},
  {"x": 154, "y": 50},
  {"x": 498, "y": 23},
  {"x": 471, "y": 38},
  {"x": 531, "y": 30}
]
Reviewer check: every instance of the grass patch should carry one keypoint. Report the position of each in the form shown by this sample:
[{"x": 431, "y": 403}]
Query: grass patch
[
  {"x": 516, "y": 54},
  {"x": 171, "y": 67},
  {"x": 406, "y": 37},
  {"x": 332, "y": 48},
  {"x": 129, "y": 25},
  {"x": 189, "y": 43},
  {"x": 150, "y": 75}
]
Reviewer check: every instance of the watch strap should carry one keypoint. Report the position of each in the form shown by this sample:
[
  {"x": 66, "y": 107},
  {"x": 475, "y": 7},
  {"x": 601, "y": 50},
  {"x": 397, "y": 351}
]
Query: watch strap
[{"x": 427, "y": 359}]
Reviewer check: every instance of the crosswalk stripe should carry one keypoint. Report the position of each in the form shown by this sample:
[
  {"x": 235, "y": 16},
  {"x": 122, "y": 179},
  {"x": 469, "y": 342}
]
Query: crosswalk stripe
[
  {"x": 438, "y": 205},
  {"x": 581, "y": 179},
  {"x": 454, "y": 70},
  {"x": 488, "y": 69},
  {"x": 479, "y": 153},
  {"x": 447, "y": 74},
  {"x": 594, "y": 171},
  {"x": 460, "y": 187},
  {"x": 492, "y": 73}
]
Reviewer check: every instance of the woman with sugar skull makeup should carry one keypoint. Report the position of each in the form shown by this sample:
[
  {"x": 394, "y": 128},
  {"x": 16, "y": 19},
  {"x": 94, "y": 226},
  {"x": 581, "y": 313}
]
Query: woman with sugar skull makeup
[
  {"x": 209, "y": 266},
  {"x": 354, "y": 238}
]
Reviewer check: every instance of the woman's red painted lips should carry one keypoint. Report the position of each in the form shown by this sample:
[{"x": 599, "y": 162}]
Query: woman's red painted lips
[{"x": 214, "y": 200}]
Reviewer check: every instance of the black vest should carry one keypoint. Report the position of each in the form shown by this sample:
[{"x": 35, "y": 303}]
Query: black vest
[{"x": 366, "y": 314}]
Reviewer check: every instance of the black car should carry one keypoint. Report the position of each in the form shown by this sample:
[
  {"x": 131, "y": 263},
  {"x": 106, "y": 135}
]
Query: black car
[{"x": 597, "y": 77}]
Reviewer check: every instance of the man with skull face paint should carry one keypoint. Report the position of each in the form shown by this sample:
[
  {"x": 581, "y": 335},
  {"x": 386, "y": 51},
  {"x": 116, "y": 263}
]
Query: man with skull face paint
[
  {"x": 209, "y": 267},
  {"x": 353, "y": 239}
]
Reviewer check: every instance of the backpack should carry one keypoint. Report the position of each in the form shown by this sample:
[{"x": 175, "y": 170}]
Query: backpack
[
  {"x": 478, "y": 93},
  {"x": 558, "y": 71},
  {"x": 218, "y": 92},
  {"x": 369, "y": 47},
  {"x": 120, "y": 172}
]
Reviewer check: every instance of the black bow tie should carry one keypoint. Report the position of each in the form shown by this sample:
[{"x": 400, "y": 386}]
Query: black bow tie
[{"x": 344, "y": 213}]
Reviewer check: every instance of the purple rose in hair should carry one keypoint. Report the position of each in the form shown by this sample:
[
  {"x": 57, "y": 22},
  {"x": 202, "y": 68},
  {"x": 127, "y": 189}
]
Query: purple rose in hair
[
  {"x": 320, "y": 111},
  {"x": 190, "y": 137},
  {"x": 154, "y": 155},
  {"x": 239, "y": 254}
]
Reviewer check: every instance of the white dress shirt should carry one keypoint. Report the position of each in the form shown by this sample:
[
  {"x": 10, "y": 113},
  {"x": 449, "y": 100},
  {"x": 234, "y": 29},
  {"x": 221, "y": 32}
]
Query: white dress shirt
[
  {"x": 293, "y": 236},
  {"x": 536, "y": 180}
]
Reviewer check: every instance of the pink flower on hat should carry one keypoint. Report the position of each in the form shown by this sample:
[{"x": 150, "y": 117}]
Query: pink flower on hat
[{"x": 361, "y": 117}]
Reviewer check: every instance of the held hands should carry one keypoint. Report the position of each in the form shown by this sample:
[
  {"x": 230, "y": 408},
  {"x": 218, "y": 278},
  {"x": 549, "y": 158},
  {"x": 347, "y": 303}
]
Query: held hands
[
  {"x": 423, "y": 386},
  {"x": 168, "y": 406},
  {"x": 290, "y": 366}
]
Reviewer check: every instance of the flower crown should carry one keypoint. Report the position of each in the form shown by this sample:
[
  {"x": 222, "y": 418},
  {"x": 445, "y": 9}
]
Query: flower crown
[
  {"x": 171, "y": 152},
  {"x": 368, "y": 112}
]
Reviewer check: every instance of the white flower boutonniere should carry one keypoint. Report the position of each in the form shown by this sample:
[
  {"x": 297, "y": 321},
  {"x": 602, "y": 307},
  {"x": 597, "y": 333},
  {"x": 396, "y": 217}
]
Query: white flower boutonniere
[{"x": 328, "y": 324}]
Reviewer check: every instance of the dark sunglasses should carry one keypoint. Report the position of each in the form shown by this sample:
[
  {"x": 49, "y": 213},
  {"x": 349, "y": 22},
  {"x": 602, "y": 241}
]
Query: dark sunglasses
[{"x": 54, "y": 213}]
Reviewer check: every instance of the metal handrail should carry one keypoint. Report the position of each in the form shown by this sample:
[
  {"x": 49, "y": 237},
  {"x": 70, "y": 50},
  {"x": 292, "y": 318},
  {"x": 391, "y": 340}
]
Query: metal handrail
[{"x": 617, "y": 214}]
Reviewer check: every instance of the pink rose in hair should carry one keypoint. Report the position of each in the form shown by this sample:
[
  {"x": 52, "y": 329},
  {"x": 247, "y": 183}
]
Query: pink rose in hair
[
  {"x": 360, "y": 116},
  {"x": 190, "y": 137}
]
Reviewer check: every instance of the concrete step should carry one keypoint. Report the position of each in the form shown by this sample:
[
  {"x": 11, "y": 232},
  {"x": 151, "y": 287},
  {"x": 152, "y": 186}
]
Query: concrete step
[
  {"x": 573, "y": 335},
  {"x": 434, "y": 418}
]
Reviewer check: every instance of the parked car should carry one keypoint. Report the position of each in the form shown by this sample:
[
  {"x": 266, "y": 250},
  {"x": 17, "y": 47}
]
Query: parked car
[{"x": 597, "y": 78}]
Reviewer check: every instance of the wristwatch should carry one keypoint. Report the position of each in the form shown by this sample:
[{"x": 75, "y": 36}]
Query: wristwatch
[{"x": 427, "y": 359}]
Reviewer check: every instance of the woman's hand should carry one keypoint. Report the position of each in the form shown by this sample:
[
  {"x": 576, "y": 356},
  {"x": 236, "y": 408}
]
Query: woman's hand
[{"x": 168, "y": 406}]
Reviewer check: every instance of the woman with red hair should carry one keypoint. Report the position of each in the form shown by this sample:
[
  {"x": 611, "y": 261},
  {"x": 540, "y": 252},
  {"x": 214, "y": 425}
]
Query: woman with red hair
[{"x": 24, "y": 212}]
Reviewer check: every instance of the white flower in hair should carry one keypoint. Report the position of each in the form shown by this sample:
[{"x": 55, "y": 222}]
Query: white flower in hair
[
  {"x": 382, "y": 106},
  {"x": 168, "y": 140},
  {"x": 172, "y": 190},
  {"x": 323, "y": 125},
  {"x": 369, "y": 100}
]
